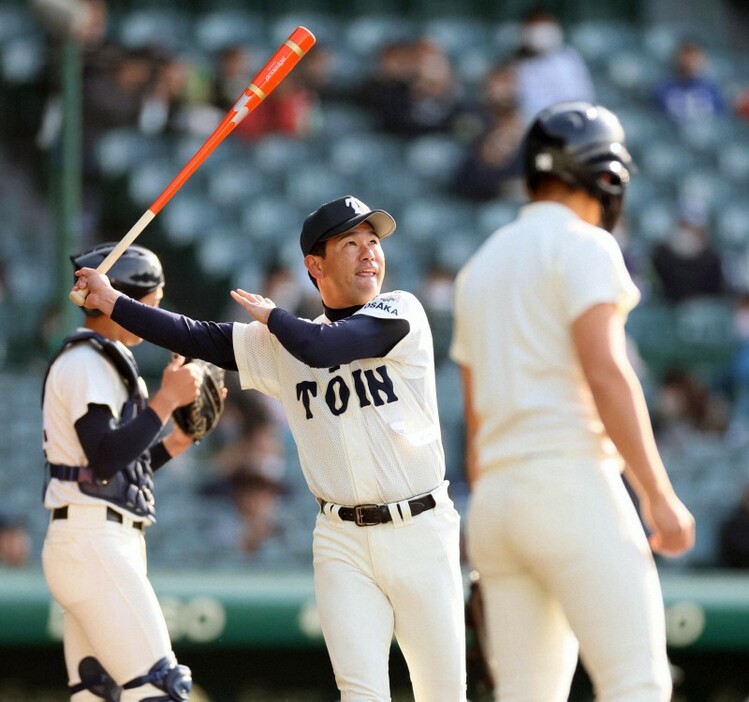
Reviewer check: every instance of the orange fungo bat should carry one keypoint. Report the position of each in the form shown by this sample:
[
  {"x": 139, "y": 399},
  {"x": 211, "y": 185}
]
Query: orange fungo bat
[{"x": 300, "y": 41}]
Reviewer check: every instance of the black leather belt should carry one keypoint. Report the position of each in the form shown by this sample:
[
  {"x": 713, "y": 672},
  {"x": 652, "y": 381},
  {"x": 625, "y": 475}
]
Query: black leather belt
[
  {"x": 112, "y": 516},
  {"x": 370, "y": 515}
]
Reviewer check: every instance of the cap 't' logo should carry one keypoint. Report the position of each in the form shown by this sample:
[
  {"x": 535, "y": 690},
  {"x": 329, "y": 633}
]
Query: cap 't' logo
[{"x": 357, "y": 205}]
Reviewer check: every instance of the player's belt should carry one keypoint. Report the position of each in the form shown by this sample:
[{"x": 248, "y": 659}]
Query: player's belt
[
  {"x": 112, "y": 516},
  {"x": 370, "y": 515}
]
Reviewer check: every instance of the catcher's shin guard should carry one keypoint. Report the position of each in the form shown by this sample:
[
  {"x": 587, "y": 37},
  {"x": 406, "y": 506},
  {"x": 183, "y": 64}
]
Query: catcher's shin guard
[
  {"x": 167, "y": 675},
  {"x": 96, "y": 680}
]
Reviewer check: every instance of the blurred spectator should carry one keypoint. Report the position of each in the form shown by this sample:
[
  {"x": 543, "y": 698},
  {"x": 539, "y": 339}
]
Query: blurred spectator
[
  {"x": 232, "y": 73},
  {"x": 436, "y": 293},
  {"x": 684, "y": 408},
  {"x": 735, "y": 380},
  {"x": 249, "y": 455},
  {"x": 548, "y": 69},
  {"x": 493, "y": 166},
  {"x": 288, "y": 110},
  {"x": 414, "y": 89},
  {"x": 257, "y": 499},
  {"x": 690, "y": 94},
  {"x": 15, "y": 542},
  {"x": 734, "y": 535},
  {"x": 686, "y": 265},
  {"x": 176, "y": 100},
  {"x": 386, "y": 91}
]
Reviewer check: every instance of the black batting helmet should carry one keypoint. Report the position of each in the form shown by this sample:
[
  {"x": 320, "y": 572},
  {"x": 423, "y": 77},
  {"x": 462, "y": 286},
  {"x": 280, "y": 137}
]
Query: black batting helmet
[
  {"x": 583, "y": 145},
  {"x": 136, "y": 273}
]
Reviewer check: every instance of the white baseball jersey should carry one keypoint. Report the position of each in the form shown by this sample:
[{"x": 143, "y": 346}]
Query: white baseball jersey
[
  {"x": 79, "y": 377},
  {"x": 515, "y": 301},
  {"x": 368, "y": 431}
]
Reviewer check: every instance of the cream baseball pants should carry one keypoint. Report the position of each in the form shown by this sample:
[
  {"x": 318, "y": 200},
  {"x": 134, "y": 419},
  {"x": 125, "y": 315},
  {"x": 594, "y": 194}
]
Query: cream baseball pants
[
  {"x": 564, "y": 564},
  {"x": 401, "y": 579},
  {"x": 96, "y": 571}
]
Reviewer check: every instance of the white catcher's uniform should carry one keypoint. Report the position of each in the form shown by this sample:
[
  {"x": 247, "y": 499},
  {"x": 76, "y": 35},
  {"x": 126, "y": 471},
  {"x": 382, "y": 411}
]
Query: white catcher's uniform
[
  {"x": 551, "y": 528},
  {"x": 96, "y": 568},
  {"x": 368, "y": 432}
]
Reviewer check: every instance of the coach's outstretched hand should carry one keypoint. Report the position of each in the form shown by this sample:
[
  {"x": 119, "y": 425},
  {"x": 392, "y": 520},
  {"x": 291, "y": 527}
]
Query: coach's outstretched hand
[
  {"x": 101, "y": 295},
  {"x": 257, "y": 306}
]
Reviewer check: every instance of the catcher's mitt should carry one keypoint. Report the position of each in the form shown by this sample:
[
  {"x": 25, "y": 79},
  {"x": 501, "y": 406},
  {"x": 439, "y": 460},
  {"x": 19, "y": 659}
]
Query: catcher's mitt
[{"x": 201, "y": 416}]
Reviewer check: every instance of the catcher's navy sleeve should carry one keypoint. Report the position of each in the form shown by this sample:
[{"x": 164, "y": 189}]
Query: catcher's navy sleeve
[
  {"x": 110, "y": 448},
  {"x": 326, "y": 345},
  {"x": 211, "y": 341}
]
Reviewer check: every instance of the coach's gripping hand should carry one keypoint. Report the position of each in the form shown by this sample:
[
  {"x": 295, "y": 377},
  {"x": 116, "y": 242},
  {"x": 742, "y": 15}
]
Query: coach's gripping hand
[
  {"x": 257, "y": 306},
  {"x": 101, "y": 295}
]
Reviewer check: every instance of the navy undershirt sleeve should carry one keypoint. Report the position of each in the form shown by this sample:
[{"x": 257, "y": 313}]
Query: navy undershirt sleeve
[
  {"x": 325, "y": 345},
  {"x": 211, "y": 341},
  {"x": 110, "y": 448}
]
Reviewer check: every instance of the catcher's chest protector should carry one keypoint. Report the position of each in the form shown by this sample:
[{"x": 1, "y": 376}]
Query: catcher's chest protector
[{"x": 132, "y": 487}]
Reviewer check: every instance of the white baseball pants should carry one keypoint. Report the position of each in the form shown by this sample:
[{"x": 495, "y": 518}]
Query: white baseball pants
[
  {"x": 563, "y": 559},
  {"x": 399, "y": 579},
  {"x": 96, "y": 570}
]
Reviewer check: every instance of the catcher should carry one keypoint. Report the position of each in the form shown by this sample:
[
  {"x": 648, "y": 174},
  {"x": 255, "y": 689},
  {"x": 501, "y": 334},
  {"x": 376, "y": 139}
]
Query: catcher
[{"x": 102, "y": 444}]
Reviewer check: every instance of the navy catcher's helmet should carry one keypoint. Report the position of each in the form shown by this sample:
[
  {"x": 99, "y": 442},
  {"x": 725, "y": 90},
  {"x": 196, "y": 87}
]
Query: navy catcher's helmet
[
  {"x": 136, "y": 273},
  {"x": 584, "y": 146}
]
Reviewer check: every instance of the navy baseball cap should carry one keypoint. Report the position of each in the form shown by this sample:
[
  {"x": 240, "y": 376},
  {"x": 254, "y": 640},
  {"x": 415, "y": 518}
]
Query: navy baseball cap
[{"x": 338, "y": 216}]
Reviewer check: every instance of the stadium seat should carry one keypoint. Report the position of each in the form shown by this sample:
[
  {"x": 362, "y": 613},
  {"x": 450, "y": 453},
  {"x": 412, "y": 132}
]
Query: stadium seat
[
  {"x": 505, "y": 39},
  {"x": 432, "y": 221},
  {"x": 270, "y": 220},
  {"x": 164, "y": 28},
  {"x": 309, "y": 185},
  {"x": 279, "y": 155},
  {"x": 22, "y": 58},
  {"x": 187, "y": 218},
  {"x": 118, "y": 151},
  {"x": 221, "y": 250},
  {"x": 633, "y": 71},
  {"x": 733, "y": 159},
  {"x": 366, "y": 34},
  {"x": 340, "y": 119},
  {"x": 236, "y": 183},
  {"x": 359, "y": 153},
  {"x": 455, "y": 33},
  {"x": 435, "y": 158},
  {"x": 664, "y": 161},
  {"x": 732, "y": 225},
  {"x": 146, "y": 182},
  {"x": 596, "y": 40},
  {"x": 653, "y": 221},
  {"x": 223, "y": 28}
]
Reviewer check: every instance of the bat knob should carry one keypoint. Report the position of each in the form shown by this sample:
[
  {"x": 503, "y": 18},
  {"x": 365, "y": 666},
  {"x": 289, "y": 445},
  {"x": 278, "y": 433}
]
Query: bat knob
[{"x": 78, "y": 297}]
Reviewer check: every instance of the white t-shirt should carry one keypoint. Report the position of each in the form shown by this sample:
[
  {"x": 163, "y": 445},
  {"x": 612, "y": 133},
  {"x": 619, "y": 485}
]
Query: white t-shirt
[
  {"x": 368, "y": 431},
  {"x": 515, "y": 302}
]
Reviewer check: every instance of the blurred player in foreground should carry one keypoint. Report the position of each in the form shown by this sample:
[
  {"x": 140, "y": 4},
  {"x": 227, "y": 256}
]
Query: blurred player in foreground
[
  {"x": 554, "y": 413},
  {"x": 358, "y": 388},
  {"x": 101, "y": 441}
]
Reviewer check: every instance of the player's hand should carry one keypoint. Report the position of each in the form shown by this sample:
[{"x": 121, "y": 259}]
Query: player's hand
[
  {"x": 672, "y": 525},
  {"x": 180, "y": 385},
  {"x": 101, "y": 295},
  {"x": 257, "y": 306}
]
